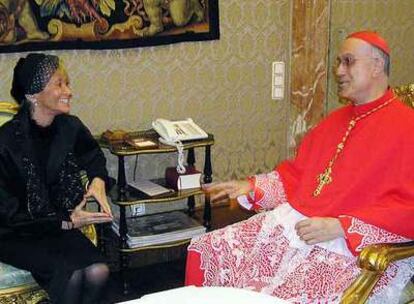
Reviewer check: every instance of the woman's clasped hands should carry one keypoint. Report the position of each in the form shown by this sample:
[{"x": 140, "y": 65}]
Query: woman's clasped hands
[{"x": 81, "y": 217}]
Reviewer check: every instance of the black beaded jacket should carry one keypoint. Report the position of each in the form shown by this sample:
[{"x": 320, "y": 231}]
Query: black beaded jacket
[{"x": 35, "y": 198}]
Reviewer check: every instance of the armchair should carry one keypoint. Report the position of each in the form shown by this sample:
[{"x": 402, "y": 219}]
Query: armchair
[
  {"x": 374, "y": 259},
  {"x": 18, "y": 286}
]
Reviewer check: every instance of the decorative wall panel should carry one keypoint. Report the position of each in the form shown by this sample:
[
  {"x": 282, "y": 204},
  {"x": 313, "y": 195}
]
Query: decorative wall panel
[{"x": 310, "y": 33}]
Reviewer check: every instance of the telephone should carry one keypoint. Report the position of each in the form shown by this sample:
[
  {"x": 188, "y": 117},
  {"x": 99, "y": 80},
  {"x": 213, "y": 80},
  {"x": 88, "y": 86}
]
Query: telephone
[{"x": 172, "y": 132}]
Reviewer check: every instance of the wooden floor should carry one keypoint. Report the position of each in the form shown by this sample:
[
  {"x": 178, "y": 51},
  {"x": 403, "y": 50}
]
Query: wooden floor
[{"x": 147, "y": 275}]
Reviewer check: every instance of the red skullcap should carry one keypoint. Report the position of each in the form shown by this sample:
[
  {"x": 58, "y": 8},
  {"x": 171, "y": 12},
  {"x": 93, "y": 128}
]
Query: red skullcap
[{"x": 372, "y": 38}]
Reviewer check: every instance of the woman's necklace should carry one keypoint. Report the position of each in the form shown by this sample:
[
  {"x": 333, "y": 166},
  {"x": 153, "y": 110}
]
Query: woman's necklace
[{"x": 325, "y": 178}]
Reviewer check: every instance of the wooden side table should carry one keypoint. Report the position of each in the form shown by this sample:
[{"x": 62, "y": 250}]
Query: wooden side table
[{"x": 123, "y": 196}]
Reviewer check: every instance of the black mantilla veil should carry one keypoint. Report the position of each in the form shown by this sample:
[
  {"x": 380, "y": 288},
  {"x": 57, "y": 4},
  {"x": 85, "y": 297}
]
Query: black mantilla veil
[{"x": 31, "y": 74}]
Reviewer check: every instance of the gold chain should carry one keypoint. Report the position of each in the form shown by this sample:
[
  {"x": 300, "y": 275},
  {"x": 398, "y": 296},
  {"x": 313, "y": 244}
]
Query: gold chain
[{"x": 325, "y": 178}]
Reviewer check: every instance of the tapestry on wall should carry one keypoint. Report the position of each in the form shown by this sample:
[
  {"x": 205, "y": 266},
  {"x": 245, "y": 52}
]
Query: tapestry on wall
[{"x": 27, "y": 25}]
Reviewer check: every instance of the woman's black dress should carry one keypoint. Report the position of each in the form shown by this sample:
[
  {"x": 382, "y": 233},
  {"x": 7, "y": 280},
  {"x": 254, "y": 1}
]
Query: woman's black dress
[{"x": 39, "y": 185}]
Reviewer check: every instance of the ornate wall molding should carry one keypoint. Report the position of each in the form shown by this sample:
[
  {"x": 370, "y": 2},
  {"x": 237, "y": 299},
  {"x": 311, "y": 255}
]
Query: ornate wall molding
[{"x": 310, "y": 40}]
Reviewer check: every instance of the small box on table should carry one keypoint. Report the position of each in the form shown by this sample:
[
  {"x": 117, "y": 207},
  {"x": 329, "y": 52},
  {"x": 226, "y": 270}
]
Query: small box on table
[{"x": 188, "y": 180}]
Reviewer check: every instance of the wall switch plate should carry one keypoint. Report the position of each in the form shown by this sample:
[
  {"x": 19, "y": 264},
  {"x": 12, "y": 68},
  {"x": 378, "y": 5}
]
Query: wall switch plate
[
  {"x": 278, "y": 80},
  {"x": 277, "y": 93}
]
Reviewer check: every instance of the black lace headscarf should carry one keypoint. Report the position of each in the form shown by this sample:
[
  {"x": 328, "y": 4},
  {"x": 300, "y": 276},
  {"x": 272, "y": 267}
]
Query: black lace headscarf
[{"x": 31, "y": 75}]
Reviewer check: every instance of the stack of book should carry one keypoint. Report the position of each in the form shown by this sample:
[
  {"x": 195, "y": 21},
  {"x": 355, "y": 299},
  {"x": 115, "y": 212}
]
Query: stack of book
[{"x": 160, "y": 228}]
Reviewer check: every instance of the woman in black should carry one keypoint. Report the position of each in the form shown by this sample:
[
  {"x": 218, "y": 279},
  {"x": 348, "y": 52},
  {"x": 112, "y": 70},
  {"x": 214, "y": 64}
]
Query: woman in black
[{"x": 42, "y": 151}]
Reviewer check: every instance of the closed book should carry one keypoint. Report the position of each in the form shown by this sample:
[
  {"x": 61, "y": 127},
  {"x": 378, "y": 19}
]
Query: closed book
[{"x": 182, "y": 181}]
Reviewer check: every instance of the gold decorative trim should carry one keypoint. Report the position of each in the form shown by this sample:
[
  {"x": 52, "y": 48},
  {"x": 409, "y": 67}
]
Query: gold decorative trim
[
  {"x": 374, "y": 260},
  {"x": 8, "y": 107},
  {"x": 95, "y": 30},
  {"x": 406, "y": 93},
  {"x": 161, "y": 246},
  {"x": 90, "y": 232},
  {"x": 132, "y": 27},
  {"x": 155, "y": 200},
  {"x": 29, "y": 294},
  {"x": 67, "y": 31},
  {"x": 19, "y": 289}
]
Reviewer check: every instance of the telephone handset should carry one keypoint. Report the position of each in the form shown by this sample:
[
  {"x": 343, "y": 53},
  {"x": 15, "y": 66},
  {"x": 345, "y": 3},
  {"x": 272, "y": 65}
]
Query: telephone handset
[{"x": 174, "y": 132}]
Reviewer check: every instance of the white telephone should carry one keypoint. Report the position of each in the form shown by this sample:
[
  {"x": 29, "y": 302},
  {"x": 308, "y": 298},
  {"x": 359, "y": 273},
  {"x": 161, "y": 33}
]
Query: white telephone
[{"x": 174, "y": 131}]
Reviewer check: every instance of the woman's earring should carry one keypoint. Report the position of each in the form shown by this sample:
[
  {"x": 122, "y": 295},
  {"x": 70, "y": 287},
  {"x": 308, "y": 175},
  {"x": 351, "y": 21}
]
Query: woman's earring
[{"x": 32, "y": 99}]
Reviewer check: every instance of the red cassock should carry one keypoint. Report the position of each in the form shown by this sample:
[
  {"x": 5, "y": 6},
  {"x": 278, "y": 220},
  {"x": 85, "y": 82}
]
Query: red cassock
[
  {"x": 372, "y": 184},
  {"x": 373, "y": 177}
]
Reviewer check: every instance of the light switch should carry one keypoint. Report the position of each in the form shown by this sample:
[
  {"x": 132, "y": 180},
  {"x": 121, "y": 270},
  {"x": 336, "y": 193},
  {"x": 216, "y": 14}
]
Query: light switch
[
  {"x": 277, "y": 93},
  {"x": 278, "y": 80},
  {"x": 278, "y": 67}
]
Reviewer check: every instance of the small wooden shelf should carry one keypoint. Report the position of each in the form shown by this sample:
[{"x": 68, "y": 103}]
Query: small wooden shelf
[
  {"x": 121, "y": 148},
  {"x": 123, "y": 195},
  {"x": 134, "y": 196},
  {"x": 159, "y": 246}
]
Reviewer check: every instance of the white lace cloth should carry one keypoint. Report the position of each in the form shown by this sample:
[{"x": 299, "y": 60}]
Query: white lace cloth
[{"x": 265, "y": 254}]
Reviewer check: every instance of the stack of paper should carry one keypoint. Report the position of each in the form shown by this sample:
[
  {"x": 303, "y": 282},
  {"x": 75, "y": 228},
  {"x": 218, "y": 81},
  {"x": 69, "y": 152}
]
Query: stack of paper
[
  {"x": 148, "y": 187},
  {"x": 160, "y": 228}
]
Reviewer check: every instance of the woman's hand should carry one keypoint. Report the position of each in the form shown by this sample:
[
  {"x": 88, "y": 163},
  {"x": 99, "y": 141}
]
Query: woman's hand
[
  {"x": 96, "y": 189},
  {"x": 315, "y": 230},
  {"x": 221, "y": 192},
  {"x": 80, "y": 217}
]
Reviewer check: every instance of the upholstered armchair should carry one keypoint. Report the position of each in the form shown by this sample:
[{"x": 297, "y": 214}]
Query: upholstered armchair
[
  {"x": 375, "y": 259},
  {"x": 18, "y": 286}
]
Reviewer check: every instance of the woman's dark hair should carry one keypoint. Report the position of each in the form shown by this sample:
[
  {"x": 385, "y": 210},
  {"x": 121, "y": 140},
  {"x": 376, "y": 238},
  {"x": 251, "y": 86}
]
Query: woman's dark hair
[
  {"x": 31, "y": 74},
  {"x": 18, "y": 84}
]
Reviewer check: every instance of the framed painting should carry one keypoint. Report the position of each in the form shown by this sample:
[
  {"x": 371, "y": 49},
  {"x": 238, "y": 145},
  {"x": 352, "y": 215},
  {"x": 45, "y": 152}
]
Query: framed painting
[{"x": 30, "y": 25}]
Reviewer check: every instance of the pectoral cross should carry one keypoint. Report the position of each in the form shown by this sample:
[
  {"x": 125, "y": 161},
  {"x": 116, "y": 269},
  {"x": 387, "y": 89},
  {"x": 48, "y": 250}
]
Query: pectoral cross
[{"x": 324, "y": 179}]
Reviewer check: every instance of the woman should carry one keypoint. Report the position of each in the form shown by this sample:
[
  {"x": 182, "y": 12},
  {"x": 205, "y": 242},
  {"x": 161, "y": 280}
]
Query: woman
[{"x": 42, "y": 151}]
